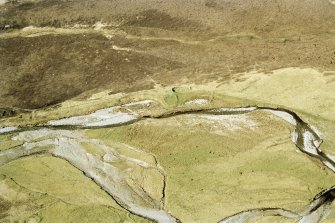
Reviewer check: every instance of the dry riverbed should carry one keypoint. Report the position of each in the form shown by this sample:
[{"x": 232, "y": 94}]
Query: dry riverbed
[{"x": 167, "y": 165}]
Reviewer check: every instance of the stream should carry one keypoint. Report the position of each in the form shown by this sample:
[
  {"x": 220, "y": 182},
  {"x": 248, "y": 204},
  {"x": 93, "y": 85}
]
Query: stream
[{"x": 59, "y": 138}]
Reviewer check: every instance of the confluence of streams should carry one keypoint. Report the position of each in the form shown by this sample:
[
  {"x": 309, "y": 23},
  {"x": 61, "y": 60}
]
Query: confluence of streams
[{"x": 54, "y": 140}]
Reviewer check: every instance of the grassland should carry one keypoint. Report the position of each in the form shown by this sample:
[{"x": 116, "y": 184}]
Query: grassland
[{"x": 67, "y": 58}]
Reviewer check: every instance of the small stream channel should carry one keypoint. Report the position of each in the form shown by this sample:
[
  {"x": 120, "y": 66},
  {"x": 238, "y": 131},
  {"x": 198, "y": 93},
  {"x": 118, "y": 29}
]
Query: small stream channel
[{"x": 60, "y": 138}]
